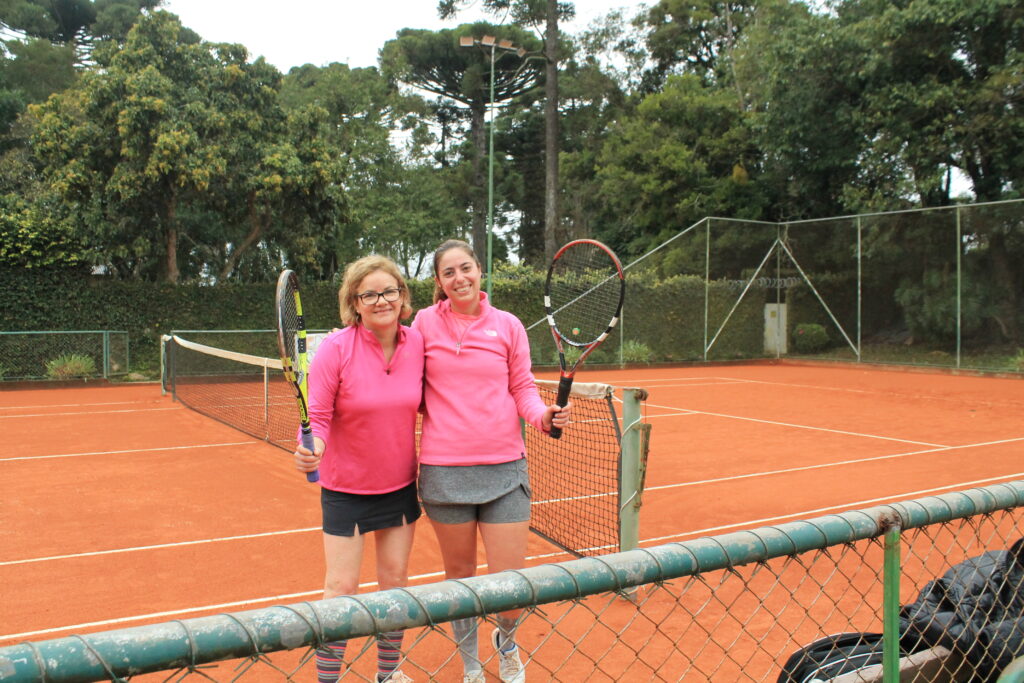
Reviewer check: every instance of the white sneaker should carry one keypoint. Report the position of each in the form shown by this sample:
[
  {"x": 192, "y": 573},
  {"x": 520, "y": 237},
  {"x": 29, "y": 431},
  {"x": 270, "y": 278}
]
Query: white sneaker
[
  {"x": 510, "y": 667},
  {"x": 399, "y": 677},
  {"x": 474, "y": 677}
]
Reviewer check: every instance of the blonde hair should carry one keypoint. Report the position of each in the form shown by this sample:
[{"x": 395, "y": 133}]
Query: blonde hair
[
  {"x": 354, "y": 274},
  {"x": 446, "y": 246}
]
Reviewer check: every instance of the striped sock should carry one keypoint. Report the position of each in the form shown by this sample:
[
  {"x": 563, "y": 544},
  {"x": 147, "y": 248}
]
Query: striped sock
[
  {"x": 328, "y": 661},
  {"x": 388, "y": 652}
]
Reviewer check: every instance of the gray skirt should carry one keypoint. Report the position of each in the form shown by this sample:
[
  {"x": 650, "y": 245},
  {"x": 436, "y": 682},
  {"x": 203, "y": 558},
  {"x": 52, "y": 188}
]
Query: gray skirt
[{"x": 471, "y": 484}]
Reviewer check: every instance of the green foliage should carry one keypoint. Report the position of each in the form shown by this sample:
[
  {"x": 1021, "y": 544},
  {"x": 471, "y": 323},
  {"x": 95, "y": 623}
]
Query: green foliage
[
  {"x": 636, "y": 352},
  {"x": 176, "y": 159},
  {"x": 673, "y": 162},
  {"x": 930, "y": 307},
  {"x": 31, "y": 240},
  {"x": 71, "y": 366},
  {"x": 810, "y": 338}
]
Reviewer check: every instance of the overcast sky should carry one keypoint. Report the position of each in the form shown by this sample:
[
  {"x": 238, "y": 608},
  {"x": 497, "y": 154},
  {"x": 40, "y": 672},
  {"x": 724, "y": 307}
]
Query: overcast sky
[{"x": 294, "y": 32}]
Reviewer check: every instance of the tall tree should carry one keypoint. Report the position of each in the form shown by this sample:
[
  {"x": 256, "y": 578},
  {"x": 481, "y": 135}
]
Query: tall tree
[
  {"x": 78, "y": 24},
  {"x": 546, "y": 14},
  {"x": 673, "y": 162},
  {"x": 434, "y": 62},
  {"x": 154, "y": 153},
  {"x": 696, "y": 36}
]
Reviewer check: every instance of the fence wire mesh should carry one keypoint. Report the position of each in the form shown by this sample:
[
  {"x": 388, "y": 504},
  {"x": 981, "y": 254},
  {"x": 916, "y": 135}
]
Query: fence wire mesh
[
  {"x": 933, "y": 287},
  {"x": 63, "y": 355},
  {"x": 735, "y": 607}
]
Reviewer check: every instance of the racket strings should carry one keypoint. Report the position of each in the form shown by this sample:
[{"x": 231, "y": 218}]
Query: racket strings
[
  {"x": 290, "y": 323},
  {"x": 585, "y": 291}
]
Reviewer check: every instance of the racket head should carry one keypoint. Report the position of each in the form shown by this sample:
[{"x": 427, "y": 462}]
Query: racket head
[
  {"x": 291, "y": 328},
  {"x": 583, "y": 294}
]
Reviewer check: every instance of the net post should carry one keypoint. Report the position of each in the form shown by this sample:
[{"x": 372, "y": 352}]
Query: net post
[
  {"x": 163, "y": 364},
  {"x": 633, "y": 464},
  {"x": 266, "y": 402},
  {"x": 172, "y": 346}
]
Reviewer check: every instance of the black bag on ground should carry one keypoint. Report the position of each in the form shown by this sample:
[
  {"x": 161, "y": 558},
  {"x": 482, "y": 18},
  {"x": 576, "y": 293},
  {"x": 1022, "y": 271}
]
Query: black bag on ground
[{"x": 975, "y": 609}]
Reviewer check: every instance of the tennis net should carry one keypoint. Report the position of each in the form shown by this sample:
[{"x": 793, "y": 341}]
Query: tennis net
[{"x": 576, "y": 481}]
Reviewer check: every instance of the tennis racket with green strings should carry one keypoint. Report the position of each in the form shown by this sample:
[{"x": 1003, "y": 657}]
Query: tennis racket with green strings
[
  {"x": 291, "y": 345},
  {"x": 583, "y": 298}
]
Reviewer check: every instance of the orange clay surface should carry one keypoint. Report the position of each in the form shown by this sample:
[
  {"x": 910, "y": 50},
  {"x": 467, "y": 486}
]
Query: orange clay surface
[{"x": 120, "y": 507}]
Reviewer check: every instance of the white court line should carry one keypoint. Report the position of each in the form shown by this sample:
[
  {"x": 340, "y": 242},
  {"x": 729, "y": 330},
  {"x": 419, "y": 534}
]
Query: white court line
[
  {"x": 684, "y": 380},
  {"x": 709, "y": 383},
  {"x": 854, "y": 505},
  {"x": 79, "y": 405},
  {"x": 688, "y": 411},
  {"x": 90, "y": 412},
  {"x": 159, "y": 546},
  {"x": 804, "y": 468},
  {"x": 131, "y": 450},
  {"x": 901, "y": 395},
  {"x": 720, "y": 381}
]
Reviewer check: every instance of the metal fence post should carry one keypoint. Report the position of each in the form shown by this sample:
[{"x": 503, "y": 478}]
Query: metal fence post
[{"x": 891, "y": 604}]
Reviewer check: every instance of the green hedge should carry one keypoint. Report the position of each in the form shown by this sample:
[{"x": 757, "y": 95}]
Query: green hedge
[{"x": 667, "y": 316}]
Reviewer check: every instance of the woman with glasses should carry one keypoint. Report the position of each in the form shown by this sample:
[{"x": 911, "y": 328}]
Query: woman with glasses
[
  {"x": 473, "y": 476},
  {"x": 365, "y": 388}
]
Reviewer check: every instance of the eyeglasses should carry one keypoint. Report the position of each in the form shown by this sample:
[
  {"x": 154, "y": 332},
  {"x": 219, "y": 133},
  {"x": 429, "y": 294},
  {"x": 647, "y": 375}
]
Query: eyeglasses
[{"x": 371, "y": 298}]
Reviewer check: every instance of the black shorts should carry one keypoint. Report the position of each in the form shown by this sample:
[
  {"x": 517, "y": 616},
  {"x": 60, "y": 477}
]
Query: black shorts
[{"x": 344, "y": 512}]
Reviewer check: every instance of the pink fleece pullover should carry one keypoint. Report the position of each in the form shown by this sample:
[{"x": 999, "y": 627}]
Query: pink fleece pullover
[
  {"x": 365, "y": 410},
  {"x": 477, "y": 384}
]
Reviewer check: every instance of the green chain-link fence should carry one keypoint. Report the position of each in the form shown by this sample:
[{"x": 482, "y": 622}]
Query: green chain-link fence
[
  {"x": 734, "y": 607},
  {"x": 64, "y": 355}
]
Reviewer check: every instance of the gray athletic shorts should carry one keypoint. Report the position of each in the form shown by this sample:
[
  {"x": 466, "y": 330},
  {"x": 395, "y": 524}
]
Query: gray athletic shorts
[{"x": 493, "y": 494}]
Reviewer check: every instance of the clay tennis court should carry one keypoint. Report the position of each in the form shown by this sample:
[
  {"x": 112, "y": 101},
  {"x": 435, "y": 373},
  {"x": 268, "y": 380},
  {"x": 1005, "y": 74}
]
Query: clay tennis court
[{"x": 121, "y": 507}]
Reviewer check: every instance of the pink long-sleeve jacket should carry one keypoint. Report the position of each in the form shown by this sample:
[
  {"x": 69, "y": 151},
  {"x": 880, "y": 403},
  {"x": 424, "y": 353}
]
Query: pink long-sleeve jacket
[
  {"x": 365, "y": 410},
  {"x": 478, "y": 383}
]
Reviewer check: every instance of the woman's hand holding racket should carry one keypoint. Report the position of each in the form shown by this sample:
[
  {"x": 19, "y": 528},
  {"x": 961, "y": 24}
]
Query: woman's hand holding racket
[
  {"x": 307, "y": 460},
  {"x": 557, "y": 417},
  {"x": 583, "y": 298}
]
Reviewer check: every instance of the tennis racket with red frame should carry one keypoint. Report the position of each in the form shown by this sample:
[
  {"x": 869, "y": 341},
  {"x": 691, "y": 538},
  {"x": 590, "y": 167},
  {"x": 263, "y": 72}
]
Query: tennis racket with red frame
[
  {"x": 583, "y": 298},
  {"x": 291, "y": 345}
]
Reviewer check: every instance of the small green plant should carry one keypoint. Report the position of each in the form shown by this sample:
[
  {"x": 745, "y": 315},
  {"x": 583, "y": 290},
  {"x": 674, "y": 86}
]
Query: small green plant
[
  {"x": 810, "y": 338},
  {"x": 636, "y": 352},
  {"x": 70, "y": 366}
]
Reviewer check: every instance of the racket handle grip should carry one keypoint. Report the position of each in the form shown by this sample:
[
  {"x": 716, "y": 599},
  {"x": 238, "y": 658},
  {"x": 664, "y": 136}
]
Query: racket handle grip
[
  {"x": 307, "y": 442},
  {"x": 564, "y": 387}
]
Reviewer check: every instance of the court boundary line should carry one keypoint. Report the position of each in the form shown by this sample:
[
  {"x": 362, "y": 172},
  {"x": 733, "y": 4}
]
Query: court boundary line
[
  {"x": 723, "y": 381},
  {"x": 158, "y": 546},
  {"x": 131, "y": 450},
  {"x": 78, "y": 405},
  {"x": 803, "y": 468},
  {"x": 804, "y": 514},
  {"x": 94, "y": 412},
  {"x": 689, "y": 411}
]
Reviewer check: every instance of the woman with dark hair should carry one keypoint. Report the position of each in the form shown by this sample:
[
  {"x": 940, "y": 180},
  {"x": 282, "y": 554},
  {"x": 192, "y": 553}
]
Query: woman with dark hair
[
  {"x": 473, "y": 475},
  {"x": 365, "y": 389}
]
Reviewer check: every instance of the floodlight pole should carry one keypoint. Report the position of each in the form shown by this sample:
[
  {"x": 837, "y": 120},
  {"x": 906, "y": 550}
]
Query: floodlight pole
[
  {"x": 493, "y": 43},
  {"x": 490, "y": 185}
]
